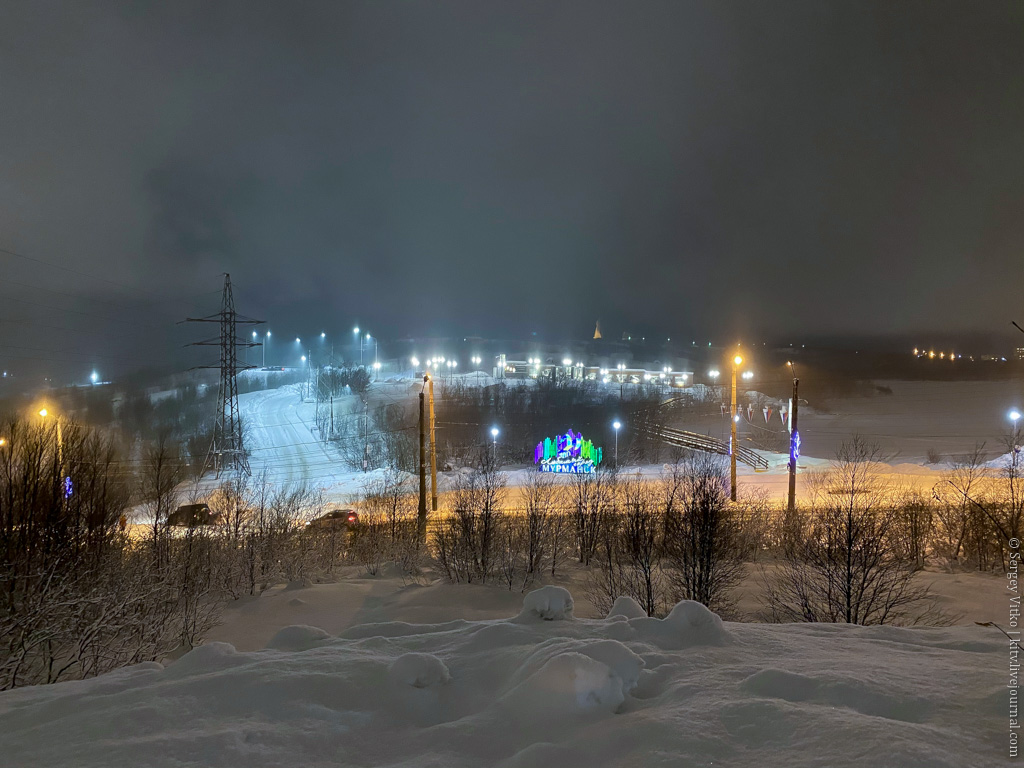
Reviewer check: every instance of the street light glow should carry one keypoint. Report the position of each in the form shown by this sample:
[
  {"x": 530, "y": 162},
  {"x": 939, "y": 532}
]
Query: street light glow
[
  {"x": 1014, "y": 415},
  {"x": 43, "y": 412},
  {"x": 494, "y": 432},
  {"x": 616, "y": 425},
  {"x": 355, "y": 330},
  {"x": 415, "y": 362},
  {"x": 737, "y": 360}
]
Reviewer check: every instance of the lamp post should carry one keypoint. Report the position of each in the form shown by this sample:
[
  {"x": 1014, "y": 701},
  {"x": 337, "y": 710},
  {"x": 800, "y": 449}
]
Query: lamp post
[
  {"x": 494, "y": 446},
  {"x": 265, "y": 345},
  {"x": 736, "y": 363},
  {"x": 794, "y": 441},
  {"x": 616, "y": 425},
  {"x": 65, "y": 482},
  {"x": 1014, "y": 416},
  {"x": 359, "y": 341},
  {"x": 247, "y": 347}
]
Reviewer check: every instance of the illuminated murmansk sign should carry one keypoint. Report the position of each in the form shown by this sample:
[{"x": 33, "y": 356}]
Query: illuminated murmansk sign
[{"x": 567, "y": 454}]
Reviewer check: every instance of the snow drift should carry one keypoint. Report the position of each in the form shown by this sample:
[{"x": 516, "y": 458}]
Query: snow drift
[{"x": 542, "y": 688}]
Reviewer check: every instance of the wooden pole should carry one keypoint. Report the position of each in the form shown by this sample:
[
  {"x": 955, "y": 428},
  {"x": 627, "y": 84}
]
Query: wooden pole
[
  {"x": 794, "y": 445},
  {"x": 423, "y": 474},
  {"x": 732, "y": 445},
  {"x": 433, "y": 452}
]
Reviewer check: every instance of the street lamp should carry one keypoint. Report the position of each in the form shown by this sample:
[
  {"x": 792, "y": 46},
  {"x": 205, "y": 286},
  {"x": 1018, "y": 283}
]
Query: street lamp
[
  {"x": 736, "y": 363},
  {"x": 1014, "y": 415},
  {"x": 494, "y": 444},
  {"x": 265, "y": 345},
  {"x": 616, "y": 425},
  {"x": 94, "y": 377}
]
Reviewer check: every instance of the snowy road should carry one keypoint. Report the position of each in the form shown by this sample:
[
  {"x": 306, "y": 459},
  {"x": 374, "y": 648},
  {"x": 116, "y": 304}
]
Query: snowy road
[{"x": 281, "y": 441}]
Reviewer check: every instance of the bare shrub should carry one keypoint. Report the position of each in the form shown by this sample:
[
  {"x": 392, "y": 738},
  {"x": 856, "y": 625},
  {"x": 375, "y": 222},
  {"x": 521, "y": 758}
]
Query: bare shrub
[
  {"x": 961, "y": 527},
  {"x": 590, "y": 497},
  {"x": 703, "y": 548},
  {"x": 846, "y": 569},
  {"x": 465, "y": 540},
  {"x": 628, "y": 557}
]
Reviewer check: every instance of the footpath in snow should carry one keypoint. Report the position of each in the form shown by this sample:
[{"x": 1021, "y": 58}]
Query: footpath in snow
[{"x": 541, "y": 688}]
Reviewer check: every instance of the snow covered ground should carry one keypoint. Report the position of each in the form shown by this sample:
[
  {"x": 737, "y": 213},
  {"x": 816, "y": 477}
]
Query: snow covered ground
[{"x": 519, "y": 682}]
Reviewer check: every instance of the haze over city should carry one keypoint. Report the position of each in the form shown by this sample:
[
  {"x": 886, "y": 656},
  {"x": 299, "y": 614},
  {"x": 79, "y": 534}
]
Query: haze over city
[{"x": 510, "y": 384}]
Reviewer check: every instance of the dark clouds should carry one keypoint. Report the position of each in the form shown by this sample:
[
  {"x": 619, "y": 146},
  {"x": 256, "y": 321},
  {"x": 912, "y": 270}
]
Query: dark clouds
[{"x": 705, "y": 168}]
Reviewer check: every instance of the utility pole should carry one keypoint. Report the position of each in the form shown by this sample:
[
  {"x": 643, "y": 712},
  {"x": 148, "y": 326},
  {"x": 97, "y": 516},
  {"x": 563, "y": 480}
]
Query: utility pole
[
  {"x": 422, "y": 516},
  {"x": 794, "y": 442},
  {"x": 366, "y": 438},
  {"x": 736, "y": 363},
  {"x": 433, "y": 451},
  {"x": 226, "y": 450}
]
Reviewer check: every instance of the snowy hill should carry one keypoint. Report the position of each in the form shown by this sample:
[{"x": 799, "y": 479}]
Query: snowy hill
[{"x": 538, "y": 689}]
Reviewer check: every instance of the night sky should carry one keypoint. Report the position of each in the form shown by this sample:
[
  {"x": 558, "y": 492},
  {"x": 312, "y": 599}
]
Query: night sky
[{"x": 717, "y": 170}]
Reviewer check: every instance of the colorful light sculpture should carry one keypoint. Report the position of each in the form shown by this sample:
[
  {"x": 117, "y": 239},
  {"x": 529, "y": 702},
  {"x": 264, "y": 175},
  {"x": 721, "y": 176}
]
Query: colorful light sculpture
[{"x": 567, "y": 454}]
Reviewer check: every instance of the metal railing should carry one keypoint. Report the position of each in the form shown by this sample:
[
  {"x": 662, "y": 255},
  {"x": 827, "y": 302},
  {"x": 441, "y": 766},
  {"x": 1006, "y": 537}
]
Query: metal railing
[{"x": 698, "y": 442}]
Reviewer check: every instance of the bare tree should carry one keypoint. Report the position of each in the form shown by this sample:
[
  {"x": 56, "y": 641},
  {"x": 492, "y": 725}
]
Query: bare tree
[
  {"x": 959, "y": 520},
  {"x": 628, "y": 558},
  {"x": 703, "y": 549},
  {"x": 846, "y": 569}
]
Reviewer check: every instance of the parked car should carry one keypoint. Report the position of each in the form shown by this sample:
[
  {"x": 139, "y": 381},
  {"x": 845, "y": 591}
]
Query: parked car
[
  {"x": 191, "y": 515},
  {"x": 336, "y": 518}
]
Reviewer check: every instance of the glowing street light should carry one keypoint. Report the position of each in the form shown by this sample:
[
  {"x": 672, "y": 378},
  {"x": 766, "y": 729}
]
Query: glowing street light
[
  {"x": 494, "y": 444},
  {"x": 415, "y": 362},
  {"x": 736, "y": 363},
  {"x": 94, "y": 377},
  {"x": 713, "y": 373},
  {"x": 616, "y": 425}
]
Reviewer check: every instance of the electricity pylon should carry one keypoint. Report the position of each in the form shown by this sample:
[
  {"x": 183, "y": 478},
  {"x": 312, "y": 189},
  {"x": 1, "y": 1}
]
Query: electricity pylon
[{"x": 226, "y": 450}]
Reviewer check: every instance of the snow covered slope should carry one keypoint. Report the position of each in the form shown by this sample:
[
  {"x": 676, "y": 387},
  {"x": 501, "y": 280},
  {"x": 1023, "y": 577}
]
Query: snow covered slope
[{"x": 539, "y": 689}]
